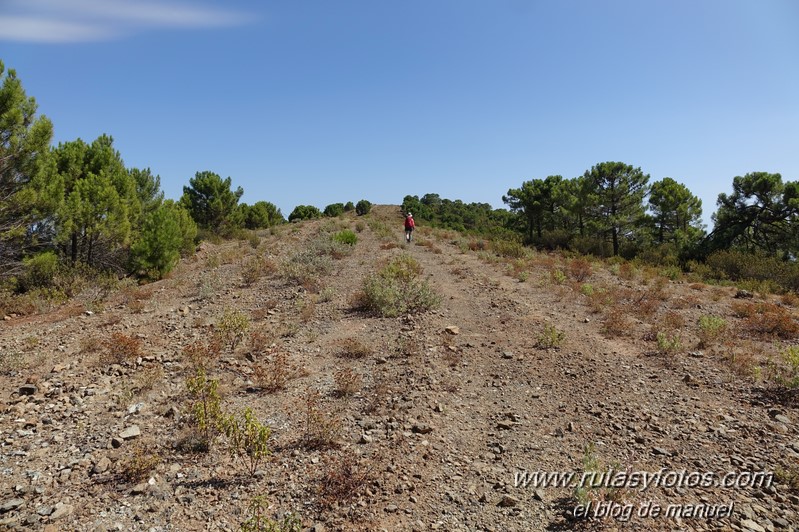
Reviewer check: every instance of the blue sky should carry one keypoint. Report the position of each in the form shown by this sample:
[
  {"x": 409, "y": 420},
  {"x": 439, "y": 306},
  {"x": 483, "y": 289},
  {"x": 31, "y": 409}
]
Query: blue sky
[{"x": 320, "y": 101}]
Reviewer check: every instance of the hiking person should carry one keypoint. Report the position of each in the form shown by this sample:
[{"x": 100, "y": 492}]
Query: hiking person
[{"x": 409, "y": 226}]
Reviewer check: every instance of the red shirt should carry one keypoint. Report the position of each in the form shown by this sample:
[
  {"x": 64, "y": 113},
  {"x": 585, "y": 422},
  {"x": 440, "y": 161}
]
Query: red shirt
[{"x": 409, "y": 222}]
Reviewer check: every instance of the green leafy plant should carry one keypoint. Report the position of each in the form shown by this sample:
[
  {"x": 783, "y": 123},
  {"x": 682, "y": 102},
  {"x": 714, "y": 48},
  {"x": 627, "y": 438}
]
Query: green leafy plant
[
  {"x": 206, "y": 408},
  {"x": 248, "y": 439},
  {"x": 258, "y": 521}
]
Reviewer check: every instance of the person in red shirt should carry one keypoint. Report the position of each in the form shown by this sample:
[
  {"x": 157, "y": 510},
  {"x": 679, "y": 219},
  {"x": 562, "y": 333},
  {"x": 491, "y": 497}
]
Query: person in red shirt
[{"x": 409, "y": 226}]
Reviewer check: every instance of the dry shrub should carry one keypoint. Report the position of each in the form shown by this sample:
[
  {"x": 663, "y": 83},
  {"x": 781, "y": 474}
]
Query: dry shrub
[
  {"x": 120, "y": 348},
  {"x": 256, "y": 267},
  {"x": 322, "y": 425},
  {"x": 477, "y": 245},
  {"x": 139, "y": 464},
  {"x": 790, "y": 299},
  {"x": 697, "y": 286},
  {"x": 307, "y": 310},
  {"x": 674, "y": 320},
  {"x": 743, "y": 358},
  {"x": 258, "y": 344},
  {"x": 599, "y": 299},
  {"x": 389, "y": 245},
  {"x": 275, "y": 372},
  {"x": 378, "y": 393},
  {"x": 627, "y": 271},
  {"x": 769, "y": 320},
  {"x": 742, "y": 309},
  {"x": 342, "y": 479},
  {"x": 352, "y": 348},
  {"x": 615, "y": 322},
  {"x": 203, "y": 354},
  {"x": 580, "y": 269},
  {"x": 348, "y": 382},
  {"x": 90, "y": 344}
]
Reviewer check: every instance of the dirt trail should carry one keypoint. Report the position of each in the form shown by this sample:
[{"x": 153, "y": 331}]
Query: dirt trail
[{"x": 453, "y": 404}]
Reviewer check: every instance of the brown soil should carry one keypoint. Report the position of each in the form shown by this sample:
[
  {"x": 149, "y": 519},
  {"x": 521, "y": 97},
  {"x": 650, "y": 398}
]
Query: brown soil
[{"x": 450, "y": 405}]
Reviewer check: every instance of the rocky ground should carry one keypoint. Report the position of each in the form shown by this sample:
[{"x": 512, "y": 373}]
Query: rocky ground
[{"x": 424, "y": 421}]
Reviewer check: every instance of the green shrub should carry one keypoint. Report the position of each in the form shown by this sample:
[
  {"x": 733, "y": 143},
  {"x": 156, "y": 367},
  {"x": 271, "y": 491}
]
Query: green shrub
[
  {"x": 550, "y": 337},
  {"x": 669, "y": 343},
  {"x": 334, "y": 209},
  {"x": 166, "y": 232},
  {"x": 232, "y": 327},
  {"x": 396, "y": 289},
  {"x": 304, "y": 212},
  {"x": 512, "y": 249},
  {"x": 711, "y": 328},
  {"x": 346, "y": 236},
  {"x": 363, "y": 207},
  {"x": 248, "y": 439},
  {"x": 40, "y": 271}
]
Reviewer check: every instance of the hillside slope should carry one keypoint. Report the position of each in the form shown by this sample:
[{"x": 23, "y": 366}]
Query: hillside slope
[{"x": 419, "y": 422}]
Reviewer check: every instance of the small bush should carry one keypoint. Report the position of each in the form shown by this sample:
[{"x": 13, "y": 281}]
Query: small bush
[
  {"x": 615, "y": 322},
  {"x": 396, "y": 289},
  {"x": 203, "y": 354},
  {"x": 138, "y": 465},
  {"x": 769, "y": 320},
  {"x": 120, "y": 348},
  {"x": 206, "y": 407},
  {"x": 274, "y": 373},
  {"x": 353, "y": 348},
  {"x": 342, "y": 480},
  {"x": 254, "y": 268},
  {"x": 232, "y": 328},
  {"x": 39, "y": 271},
  {"x": 550, "y": 338},
  {"x": 322, "y": 427},
  {"x": 668, "y": 344},
  {"x": 346, "y": 236},
  {"x": 348, "y": 382},
  {"x": 509, "y": 248},
  {"x": 580, "y": 269},
  {"x": 363, "y": 207},
  {"x": 258, "y": 521},
  {"x": 248, "y": 439},
  {"x": 711, "y": 329}
]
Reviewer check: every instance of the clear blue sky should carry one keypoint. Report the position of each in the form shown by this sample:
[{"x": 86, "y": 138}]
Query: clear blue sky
[{"x": 320, "y": 101}]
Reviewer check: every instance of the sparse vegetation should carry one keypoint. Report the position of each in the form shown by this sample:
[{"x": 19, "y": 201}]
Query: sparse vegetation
[{"x": 396, "y": 289}]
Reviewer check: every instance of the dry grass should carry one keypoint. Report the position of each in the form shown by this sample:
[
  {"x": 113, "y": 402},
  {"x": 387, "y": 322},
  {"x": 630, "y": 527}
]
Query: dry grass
[
  {"x": 342, "y": 480},
  {"x": 352, "y": 348},
  {"x": 348, "y": 382}
]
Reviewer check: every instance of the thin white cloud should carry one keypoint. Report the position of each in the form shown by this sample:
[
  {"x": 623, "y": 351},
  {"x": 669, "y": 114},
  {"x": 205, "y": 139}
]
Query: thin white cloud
[{"x": 54, "y": 21}]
